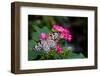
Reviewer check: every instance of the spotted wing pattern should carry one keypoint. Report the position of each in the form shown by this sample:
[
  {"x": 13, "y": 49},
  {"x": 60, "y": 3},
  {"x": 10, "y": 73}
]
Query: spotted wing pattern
[{"x": 47, "y": 44}]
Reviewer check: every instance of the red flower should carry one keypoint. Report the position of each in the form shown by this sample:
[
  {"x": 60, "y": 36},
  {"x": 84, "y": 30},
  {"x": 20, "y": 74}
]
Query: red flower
[{"x": 59, "y": 49}]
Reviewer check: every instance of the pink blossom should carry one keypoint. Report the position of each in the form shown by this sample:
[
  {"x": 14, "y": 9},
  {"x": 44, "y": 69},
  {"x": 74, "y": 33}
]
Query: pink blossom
[
  {"x": 66, "y": 31},
  {"x": 59, "y": 49},
  {"x": 69, "y": 37},
  {"x": 62, "y": 35},
  {"x": 66, "y": 37},
  {"x": 58, "y": 28},
  {"x": 42, "y": 36}
]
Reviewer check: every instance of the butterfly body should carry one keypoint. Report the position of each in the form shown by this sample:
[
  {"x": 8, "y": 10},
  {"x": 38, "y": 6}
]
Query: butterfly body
[{"x": 48, "y": 43}]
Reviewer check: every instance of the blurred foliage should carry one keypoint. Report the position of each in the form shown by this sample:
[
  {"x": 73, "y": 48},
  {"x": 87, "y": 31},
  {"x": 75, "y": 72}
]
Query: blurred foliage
[{"x": 78, "y": 27}]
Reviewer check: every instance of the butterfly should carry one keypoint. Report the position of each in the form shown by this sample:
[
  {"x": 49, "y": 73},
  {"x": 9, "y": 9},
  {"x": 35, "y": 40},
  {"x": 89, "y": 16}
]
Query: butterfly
[{"x": 49, "y": 43}]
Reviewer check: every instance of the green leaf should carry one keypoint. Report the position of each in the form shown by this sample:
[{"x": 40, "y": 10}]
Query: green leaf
[
  {"x": 45, "y": 30},
  {"x": 46, "y": 20},
  {"x": 35, "y": 36},
  {"x": 31, "y": 54},
  {"x": 72, "y": 55},
  {"x": 36, "y": 28}
]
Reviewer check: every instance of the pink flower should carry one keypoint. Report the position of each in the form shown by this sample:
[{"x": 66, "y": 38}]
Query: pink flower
[
  {"x": 42, "y": 36},
  {"x": 58, "y": 28},
  {"x": 59, "y": 49},
  {"x": 66, "y": 31},
  {"x": 63, "y": 33},
  {"x": 69, "y": 37}
]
